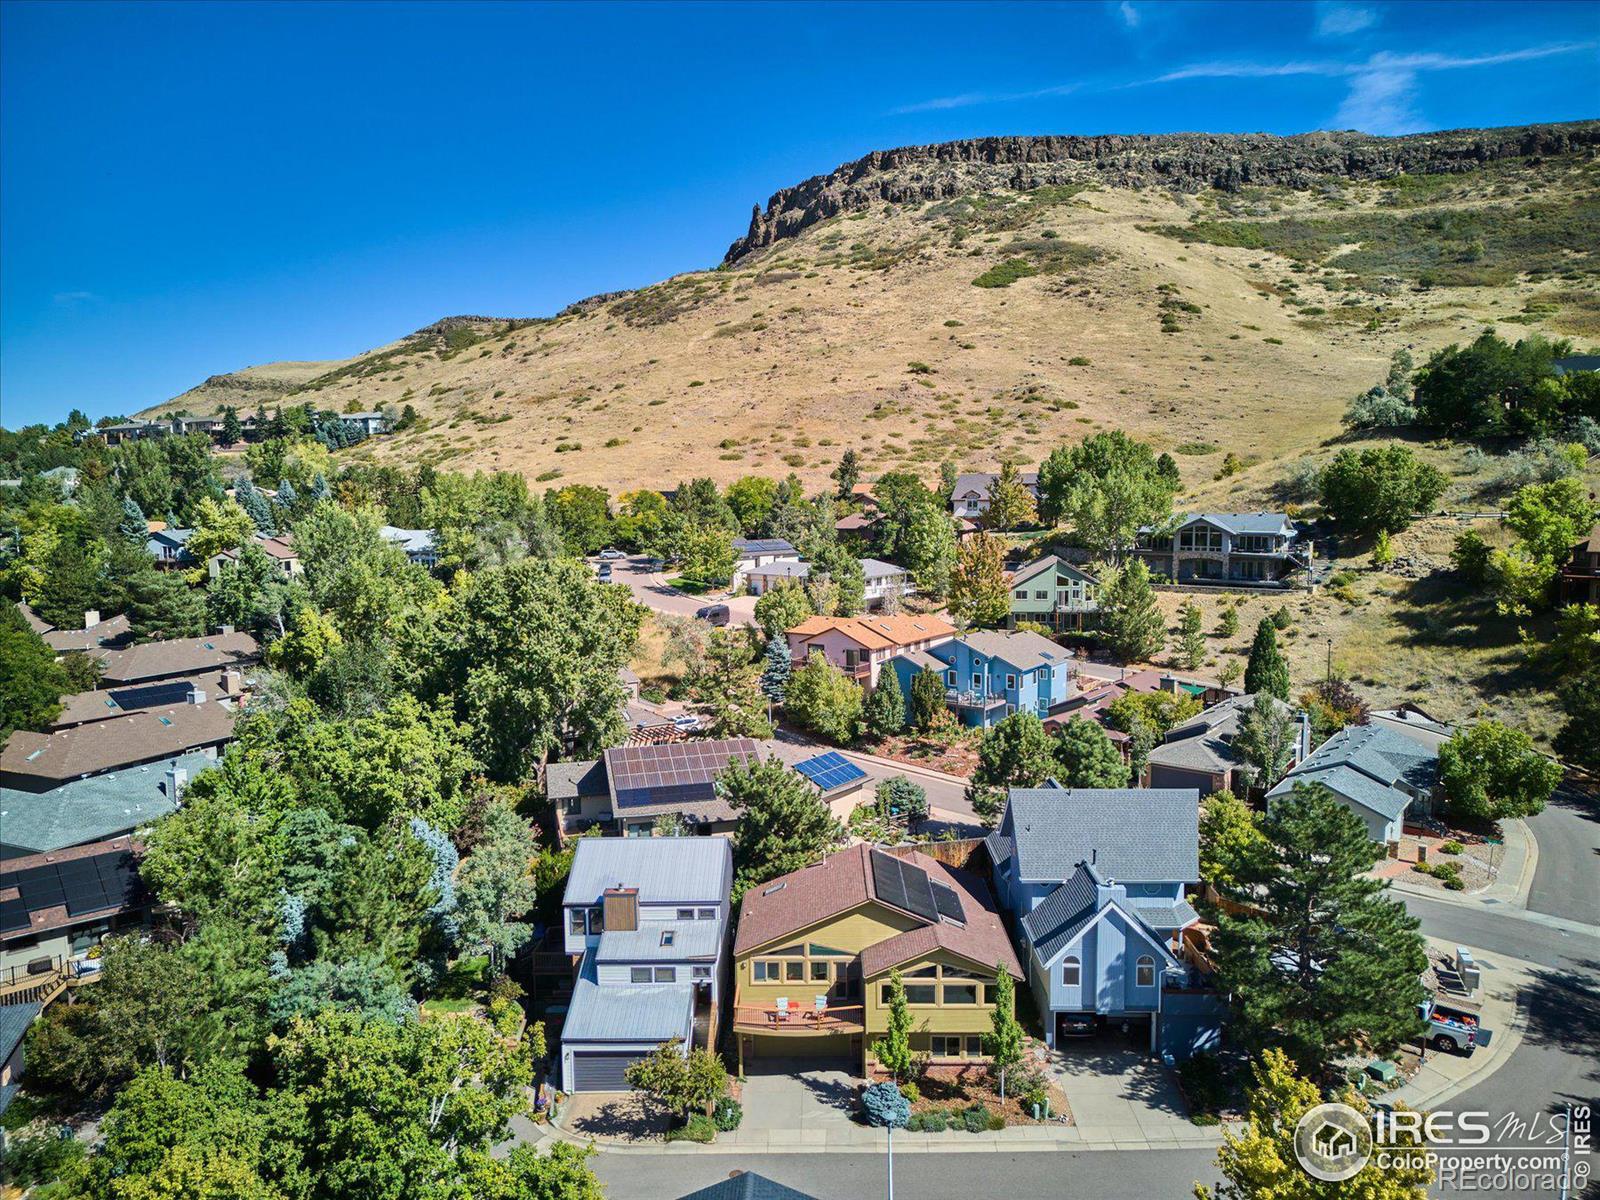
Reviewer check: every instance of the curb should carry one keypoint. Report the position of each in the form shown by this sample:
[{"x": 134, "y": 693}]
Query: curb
[
  {"x": 1515, "y": 902},
  {"x": 1513, "y": 1039}
]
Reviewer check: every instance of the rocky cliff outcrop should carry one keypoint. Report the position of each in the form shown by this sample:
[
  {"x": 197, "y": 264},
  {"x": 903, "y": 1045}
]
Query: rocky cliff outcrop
[{"x": 1185, "y": 162}]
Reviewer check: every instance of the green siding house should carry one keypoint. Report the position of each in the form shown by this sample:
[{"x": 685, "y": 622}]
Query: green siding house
[{"x": 1052, "y": 593}]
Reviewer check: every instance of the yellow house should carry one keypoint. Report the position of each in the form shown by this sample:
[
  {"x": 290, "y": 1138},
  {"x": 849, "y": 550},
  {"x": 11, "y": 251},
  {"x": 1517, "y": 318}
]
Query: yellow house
[{"x": 815, "y": 949}]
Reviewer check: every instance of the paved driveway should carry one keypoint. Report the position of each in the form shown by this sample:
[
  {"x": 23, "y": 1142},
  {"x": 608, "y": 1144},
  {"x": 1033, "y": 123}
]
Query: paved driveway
[
  {"x": 1119, "y": 1093},
  {"x": 651, "y": 589},
  {"x": 798, "y": 1101}
]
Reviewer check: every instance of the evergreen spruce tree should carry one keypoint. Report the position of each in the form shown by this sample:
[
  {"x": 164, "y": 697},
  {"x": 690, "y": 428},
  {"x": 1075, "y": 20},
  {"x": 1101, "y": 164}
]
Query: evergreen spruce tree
[
  {"x": 1267, "y": 671},
  {"x": 232, "y": 429},
  {"x": 1320, "y": 961},
  {"x": 885, "y": 712},
  {"x": 253, "y": 502},
  {"x": 132, "y": 525},
  {"x": 777, "y": 664},
  {"x": 287, "y": 498},
  {"x": 927, "y": 698},
  {"x": 1190, "y": 644},
  {"x": 320, "y": 490},
  {"x": 1130, "y": 616}
]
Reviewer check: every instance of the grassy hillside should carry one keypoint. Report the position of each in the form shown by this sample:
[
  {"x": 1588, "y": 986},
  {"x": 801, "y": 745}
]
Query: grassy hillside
[{"x": 994, "y": 324}]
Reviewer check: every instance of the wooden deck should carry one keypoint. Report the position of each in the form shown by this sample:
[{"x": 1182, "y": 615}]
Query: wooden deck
[{"x": 799, "y": 1021}]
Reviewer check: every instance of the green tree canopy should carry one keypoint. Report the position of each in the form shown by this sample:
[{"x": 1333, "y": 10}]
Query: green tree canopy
[
  {"x": 783, "y": 824},
  {"x": 1266, "y": 672},
  {"x": 1318, "y": 959},
  {"x": 1379, "y": 489},
  {"x": 1086, "y": 757},
  {"x": 1491, "y": 772},
  {"x": 1134, "y": 629},
  {"x": 1106, "y": 488},
  {"x": 1015, "y": 752},
  {"x": 822, "y": 699},
  {"x": 980, "y": 594}
]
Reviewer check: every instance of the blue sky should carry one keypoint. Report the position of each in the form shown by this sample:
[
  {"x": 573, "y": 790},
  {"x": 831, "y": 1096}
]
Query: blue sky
[{"x": 192, "y": 188}]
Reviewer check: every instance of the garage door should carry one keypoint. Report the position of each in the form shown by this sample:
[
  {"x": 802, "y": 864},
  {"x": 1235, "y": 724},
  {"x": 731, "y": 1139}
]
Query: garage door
[{"x": 602, "y": 1072}]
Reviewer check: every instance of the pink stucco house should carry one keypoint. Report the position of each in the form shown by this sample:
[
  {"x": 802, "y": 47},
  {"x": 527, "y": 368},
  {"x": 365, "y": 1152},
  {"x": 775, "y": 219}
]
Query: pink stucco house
[{"x": 859, "y": 646}]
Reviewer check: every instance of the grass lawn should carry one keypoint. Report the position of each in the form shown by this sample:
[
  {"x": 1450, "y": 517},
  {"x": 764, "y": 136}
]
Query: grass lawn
[
  {"x": 454, "y": 1006},
  {"x": 695, "y": 587}
]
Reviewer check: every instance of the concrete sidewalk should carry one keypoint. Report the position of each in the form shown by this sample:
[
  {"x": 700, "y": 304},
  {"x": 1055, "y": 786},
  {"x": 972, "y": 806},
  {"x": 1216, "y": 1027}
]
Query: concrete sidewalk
[{"x": 1511, "y": 885}]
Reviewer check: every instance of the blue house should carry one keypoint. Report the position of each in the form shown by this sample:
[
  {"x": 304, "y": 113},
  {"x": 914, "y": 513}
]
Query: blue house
[
  {"x": 989, "y": 675},
  {"x": 1096, "y": 879}
]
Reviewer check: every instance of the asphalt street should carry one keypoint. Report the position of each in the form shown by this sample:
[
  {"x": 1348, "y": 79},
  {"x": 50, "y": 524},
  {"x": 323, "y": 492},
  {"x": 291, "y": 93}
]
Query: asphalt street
[
  {"x": 1567, "y": 883},
  {"x": 1041, "y": 1175}
]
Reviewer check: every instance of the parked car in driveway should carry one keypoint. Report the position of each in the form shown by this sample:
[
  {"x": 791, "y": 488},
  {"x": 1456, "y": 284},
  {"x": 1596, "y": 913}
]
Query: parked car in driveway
[
  {"x": 611, "y": 552},
  {"x": 716, "y": 614},
  {"x": 686, "y": 722},
  {"x": 604, "y": 570},
  {"x": 1453, "y": 1028}
]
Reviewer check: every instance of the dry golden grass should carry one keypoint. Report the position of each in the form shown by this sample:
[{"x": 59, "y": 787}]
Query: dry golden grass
[{"x": 782, "y": 362}]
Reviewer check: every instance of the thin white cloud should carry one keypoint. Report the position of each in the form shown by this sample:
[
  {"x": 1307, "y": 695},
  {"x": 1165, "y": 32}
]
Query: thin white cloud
[
  {"x": 1381, "y": 101},
  {"x": 1130, "y": 15},
  {"x": 1382, "y": 61},
  {"x": 68, "y": 299},
  {"x": 1341, "y": 20},
  {"x": 968, "y": 99}
]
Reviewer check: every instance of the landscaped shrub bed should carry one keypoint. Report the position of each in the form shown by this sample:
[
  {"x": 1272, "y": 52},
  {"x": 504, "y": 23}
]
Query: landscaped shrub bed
[{"x": 949, "y": 1094}]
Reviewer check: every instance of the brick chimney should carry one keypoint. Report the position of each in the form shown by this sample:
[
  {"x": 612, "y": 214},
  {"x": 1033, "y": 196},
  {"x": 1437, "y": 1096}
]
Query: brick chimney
[
  {"x": 232, "y": 682},
  {"x": 620, "y": 908}
]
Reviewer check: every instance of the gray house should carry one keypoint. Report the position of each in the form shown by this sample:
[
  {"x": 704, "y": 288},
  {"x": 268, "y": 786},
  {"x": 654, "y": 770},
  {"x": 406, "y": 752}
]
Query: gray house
[
  {"x": 1096, "y": 878},
  {"x": 971, "y": 495},
  {"x": 649, "y": 916},
  {"x": 1258, "y": 548},
  {"x": 1377, "y": 772},
  {"x": 1200, "y": 754}
]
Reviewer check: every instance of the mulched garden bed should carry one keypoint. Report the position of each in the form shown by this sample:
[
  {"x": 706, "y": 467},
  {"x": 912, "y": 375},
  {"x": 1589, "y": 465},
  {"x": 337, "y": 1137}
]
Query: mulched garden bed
[{"x": 954, "y": 1089}]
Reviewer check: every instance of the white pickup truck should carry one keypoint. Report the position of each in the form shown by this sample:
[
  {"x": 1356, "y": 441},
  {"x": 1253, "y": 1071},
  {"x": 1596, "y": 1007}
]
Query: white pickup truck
[{"x": 1452, "y": 1028}]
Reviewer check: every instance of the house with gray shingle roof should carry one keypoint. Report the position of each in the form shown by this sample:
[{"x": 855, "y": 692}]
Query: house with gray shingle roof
[
  {"x": 1374, "y": 770},
  {"x": 990, "y": 674},
  {"x": 1199, "y": 752},
  {"x": 973, "y": 491},
  {"x": 1096, "y": 879},
  {"x": 1248, "y": 549},
  {"x": 649, "y": 916}
]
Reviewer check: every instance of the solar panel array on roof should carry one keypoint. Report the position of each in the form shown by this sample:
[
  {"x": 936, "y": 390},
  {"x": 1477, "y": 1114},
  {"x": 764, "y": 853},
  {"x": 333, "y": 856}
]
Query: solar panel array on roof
[
  {"x": 152, "y": 695},
  {"x": 830, "y": 770},
  {"x": 82, "y": 885},
  {"x": 947, "y": 902},
  {"x": 672, "y": 772},
  {"x": 903, "y": 885}
]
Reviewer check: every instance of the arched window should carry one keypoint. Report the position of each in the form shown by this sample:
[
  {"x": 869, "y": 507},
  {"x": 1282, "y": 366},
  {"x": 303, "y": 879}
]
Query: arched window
[
  {"x": 1071, "y": 973},
  {"x": 1144, "y": 971}
]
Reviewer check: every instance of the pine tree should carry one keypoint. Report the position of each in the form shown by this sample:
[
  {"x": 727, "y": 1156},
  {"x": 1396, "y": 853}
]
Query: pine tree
[
  {"x": 777, "y": 664},
  {"x": 1130, "y": 615},
  {"x": 286, "y": 498},
  {"x": 132, "y": 526},
  {"x": 783, "y": 824},
  {"x": 1266, "y": 670},
  {"x": 847, "y": 474},
  {"x": 320, "y": 490},
  {"x": 885, "y": 712},
  {"x": 253, "y": 502},
  {"x": 1086, "y": 757},
  {"x": 1319, "y": 960},
  {"x": 1190, "y": 643},
  {"x": 927, "y": 699},
  {"x": 232, "y": 429}
]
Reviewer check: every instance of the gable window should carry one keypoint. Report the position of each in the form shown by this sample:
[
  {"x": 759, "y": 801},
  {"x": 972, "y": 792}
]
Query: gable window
[
  {"x": 1011, "y": 683},
  {"x": 1022, "y": 594},
  {"x": 1041, "y": 594},
  {"x": 639, "y": 975},
  {"x": 1144, "y": 972},
  {"x": 1071, "y": 971}
]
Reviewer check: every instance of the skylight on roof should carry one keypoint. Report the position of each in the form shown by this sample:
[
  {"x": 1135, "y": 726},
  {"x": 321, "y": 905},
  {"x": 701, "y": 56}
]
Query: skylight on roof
[
  {"x": 666, "y": 937},
  {"x": 777, "y": 887}
]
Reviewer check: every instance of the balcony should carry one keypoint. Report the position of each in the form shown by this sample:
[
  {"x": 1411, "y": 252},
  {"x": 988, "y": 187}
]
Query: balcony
[
  {"x": 860, "y": 671},
  {"x": 1087, "y": 604},
  {"x": 974, "y": 700},
  {"x": 799, "y": 1020}
]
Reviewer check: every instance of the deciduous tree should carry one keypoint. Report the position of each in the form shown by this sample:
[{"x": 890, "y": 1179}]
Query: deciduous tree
[
  {"x": 823, "y": 700},
  {"x": 1267, "y": 740},
  {"x": 979, "y": 593},
  {"x": 1107, "y": 488},
  {"x": 1011, "y": 504},
  {"x": 495, "y": 888},
  {"x": 1379, "y": 489},
  {"x": 1491, "y": 772}
]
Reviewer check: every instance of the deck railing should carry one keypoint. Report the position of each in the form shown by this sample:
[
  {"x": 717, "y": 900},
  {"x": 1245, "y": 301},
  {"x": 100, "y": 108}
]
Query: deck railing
[{"x": 767, "y": 1018}]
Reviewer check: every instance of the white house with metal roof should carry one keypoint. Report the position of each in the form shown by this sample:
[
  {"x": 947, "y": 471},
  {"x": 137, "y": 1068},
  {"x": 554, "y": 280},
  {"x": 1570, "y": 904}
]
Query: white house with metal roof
[
  {"x": 1377, "y": 772},
  {"x": 1096, "y": 878},
  {"x": 751, "y": 554},
  {"x": 649, "y": 918}
]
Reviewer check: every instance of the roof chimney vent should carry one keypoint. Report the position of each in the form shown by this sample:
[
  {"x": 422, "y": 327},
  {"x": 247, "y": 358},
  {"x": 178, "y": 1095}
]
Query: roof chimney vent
[
  {"x": 177, "y": 783},
  {"x": 91, "y": 618}
]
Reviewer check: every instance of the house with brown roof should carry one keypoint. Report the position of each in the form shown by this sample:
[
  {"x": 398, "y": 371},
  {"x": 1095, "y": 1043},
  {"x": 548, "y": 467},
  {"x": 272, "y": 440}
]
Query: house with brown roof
[
  {"x": 96, "y": 635},
  {"x": 55, "y": 907},
  {"x": 175, "y": 658},
  {"x": 279, "y": 550},
  {"x": 816, "y": 949},
  {"x": 629, "y": 786},
  {"x": 860, "y": 646},
  {"x": 40, "y": 762}
]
